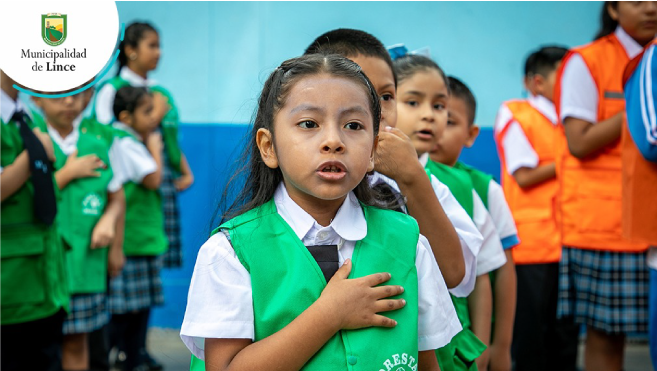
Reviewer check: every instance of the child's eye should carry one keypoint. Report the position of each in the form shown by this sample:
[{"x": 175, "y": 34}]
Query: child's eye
[
  {"x": 353, "y": 126},
  {"x": 439, "y": 107},
  {"x": 412, "y": 103},
  {"x": 307, "y": 124},
  {"x": 387, "y": 97},
  {"x": 451, "y": 122}
]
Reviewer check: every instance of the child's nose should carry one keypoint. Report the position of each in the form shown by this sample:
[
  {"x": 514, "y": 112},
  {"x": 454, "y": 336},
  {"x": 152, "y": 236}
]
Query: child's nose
[{"x": 333, "y": 141}]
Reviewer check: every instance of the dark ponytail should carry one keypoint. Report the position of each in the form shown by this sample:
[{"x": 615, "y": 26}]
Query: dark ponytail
[
  {"x": 133, "y": 34},
  {"x": 607, "y": 24}
]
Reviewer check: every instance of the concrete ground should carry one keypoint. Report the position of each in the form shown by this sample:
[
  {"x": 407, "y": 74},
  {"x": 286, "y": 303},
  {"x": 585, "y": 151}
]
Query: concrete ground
[{"x": 165, "y": 346}]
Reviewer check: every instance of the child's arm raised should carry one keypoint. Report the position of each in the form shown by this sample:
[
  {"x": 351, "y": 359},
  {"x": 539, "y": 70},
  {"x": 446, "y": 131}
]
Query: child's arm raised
[
  {"x": 344, "y": 304},
  {"x": 396, "y": 158},
  {"x": 154, "y": 146},
  {"x": 78, "y": 167},
  {"x": 528, "y": 177},
  {"x": 585, "y": 138}
]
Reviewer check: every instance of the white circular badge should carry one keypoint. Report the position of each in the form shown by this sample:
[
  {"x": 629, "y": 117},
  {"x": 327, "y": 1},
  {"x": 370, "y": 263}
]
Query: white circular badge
[{"x": 53, "y": 46}]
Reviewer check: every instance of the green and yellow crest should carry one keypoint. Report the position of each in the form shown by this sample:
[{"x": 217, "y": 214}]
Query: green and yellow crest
[{"x": 53, "y": 28}]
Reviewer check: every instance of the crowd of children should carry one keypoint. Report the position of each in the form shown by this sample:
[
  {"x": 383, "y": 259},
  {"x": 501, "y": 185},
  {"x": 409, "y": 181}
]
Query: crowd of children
[{"x": 359, "y": 239}]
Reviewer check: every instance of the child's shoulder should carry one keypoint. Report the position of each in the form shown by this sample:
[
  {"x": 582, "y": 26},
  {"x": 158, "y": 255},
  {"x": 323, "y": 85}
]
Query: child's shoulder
[{"x": 248, "y": 217}]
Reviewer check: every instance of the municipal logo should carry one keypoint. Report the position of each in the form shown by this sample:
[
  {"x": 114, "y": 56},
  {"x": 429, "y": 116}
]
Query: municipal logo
[
  {"x": 53, "y": 28},
  {"x": 92, "y": 205}
]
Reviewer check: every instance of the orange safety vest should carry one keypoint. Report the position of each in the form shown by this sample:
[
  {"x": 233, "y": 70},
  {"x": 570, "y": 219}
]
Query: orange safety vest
[
  {"x": 639, "y": 184},
  {"x": 590, "y": 189},
  {"x": 533, "y": 208}
]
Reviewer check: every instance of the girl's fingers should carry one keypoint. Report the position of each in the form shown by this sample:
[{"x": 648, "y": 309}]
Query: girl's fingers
[
  {"x": 376, "y": 279},
  {"x": 344, "y": 270},
  {"x": 388, "y": 305},
  {"x": 387, "y": 291},
  {"x": 382, "y": 321}
]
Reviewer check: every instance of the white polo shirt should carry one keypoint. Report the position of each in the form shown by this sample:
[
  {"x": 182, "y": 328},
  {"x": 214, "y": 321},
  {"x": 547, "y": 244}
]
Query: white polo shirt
[
  {"x": 469, "y": 236},
  {"x": 219, "y": 304},
  {"x": 130, "y": 158},
  {"x": 579, "y": 94},
  {"x": 518, "y": 151}
]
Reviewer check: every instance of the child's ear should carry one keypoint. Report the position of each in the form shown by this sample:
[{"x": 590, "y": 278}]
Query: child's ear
[
  {"x": 370, "y": 167},
  {"x": 265, "y": 143},
  {"x": 125, "y": 117},
  {"x": 473, "y": 132}
]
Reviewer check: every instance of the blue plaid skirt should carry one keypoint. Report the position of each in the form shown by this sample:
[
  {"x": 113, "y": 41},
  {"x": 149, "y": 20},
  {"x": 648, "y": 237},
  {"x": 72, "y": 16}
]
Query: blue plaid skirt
[
  {"x": 138, "y": 287},
  {"x": 88, "y": 312},
  {"x": 172, "y": 258},
  {"x": 605, "y": 290}
]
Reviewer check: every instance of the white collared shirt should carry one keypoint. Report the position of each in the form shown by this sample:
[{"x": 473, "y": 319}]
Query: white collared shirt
[
  {"x": 69, "y": 144},
  {"x": 130, "y": 158},
  {"x": 105, "y": 97},
  {"x": 518, "y": 151},
  {"x": 7, "y": 108},
  {"x": 469, "y": 235},
  {"x": 219, "y": 304},
  {"x": 579, "y": 93}
]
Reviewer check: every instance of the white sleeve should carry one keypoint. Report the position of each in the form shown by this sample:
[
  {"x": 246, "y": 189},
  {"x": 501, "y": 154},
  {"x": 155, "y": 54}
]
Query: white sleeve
[
  {"x": 491, "y": 256},
  {"x": 131, "y": 160},
  {"x": 469, "y": 236},
  {"x": 219, "y": 303},
  {"x": 437, "y": 319},
  {"x": 518, "y": 152},
  {"x": 104, "y": 104},
  {"x": 579, "y": 95},
  {"x": 501, "y": 213}
]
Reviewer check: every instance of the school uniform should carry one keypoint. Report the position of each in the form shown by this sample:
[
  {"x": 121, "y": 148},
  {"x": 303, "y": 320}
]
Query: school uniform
[
  {"x": 34, "y": 295},
  {"x": 102, "y": 110},
  {"x": 81, "y": 206},
  {"x": 639, "y": 146},
  {"x": 603, "y": 277},
  {"x": 525, "y": 133},
  {"x": 233, "y": 290},
  {"x": 139, "y": 285},
  {"x": 470, "y": 237},
  {"x": 465, "y": 348}
]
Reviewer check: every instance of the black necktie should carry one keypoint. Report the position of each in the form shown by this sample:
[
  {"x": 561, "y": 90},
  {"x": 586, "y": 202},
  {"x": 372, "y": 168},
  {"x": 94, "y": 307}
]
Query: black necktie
[
  {"x": 326, "y": 257},
  {"x": 45, "y": 205}
]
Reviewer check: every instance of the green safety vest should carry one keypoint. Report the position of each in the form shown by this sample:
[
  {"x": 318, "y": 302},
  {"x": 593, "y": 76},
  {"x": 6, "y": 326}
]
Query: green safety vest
[
  {"x": 144, "y": 218},
  {"x": 465, "y": 347},
  {"x": 286, "y": 280},
  {"x": 82, "y": 203},
  {"x": 169, "y": 124},
  {"x": 33, "y": 276}
]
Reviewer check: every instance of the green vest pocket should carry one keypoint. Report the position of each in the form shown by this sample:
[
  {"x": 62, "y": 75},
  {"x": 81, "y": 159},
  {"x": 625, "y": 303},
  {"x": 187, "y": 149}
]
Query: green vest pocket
[{"x": 22, "y": 267}]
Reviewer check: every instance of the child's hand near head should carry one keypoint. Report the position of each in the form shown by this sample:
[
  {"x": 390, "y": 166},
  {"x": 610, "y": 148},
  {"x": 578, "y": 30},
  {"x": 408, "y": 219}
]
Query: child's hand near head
[{"x": 396, "y": 157}]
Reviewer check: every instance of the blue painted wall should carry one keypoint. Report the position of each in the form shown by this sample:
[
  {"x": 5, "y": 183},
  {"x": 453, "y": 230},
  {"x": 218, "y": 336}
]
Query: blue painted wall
[{"x": 217, "y": 54}]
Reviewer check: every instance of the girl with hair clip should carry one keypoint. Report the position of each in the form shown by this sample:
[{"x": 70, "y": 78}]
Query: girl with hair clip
[
  {"x": 604, "y": 277},
  {"x": 305, "y": 272}
]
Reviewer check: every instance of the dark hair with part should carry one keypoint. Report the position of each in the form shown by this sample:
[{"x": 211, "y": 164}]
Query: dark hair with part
[
  {"x": 607, "y": 24},
  {"x": 410, "y": 64},
  {"x": 351, "y": 43},
  {"x": 128, "y": 98},
  {"x": 544, "y": 60},
  {"x": 459, "y": 90},
  {"x": 133, "y": 34},
  {"x": 255, "y": 182}
]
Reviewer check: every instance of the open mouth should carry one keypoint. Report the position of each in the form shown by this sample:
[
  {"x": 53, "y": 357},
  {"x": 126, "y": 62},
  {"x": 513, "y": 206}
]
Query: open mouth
[
  {"x": 332, "y": 170},
  {"x": 424, "y": 134}
]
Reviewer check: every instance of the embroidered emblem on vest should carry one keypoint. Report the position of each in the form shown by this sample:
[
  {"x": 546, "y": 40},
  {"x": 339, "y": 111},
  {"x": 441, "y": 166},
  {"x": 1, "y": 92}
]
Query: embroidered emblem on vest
[
  {"x": 91, "y": 205},
  {"x": 400, "y": 362}
]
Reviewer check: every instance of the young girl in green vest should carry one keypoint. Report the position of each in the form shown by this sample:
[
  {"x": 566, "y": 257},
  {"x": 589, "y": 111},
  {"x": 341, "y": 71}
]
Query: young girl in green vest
[
  {"x": 91, "y": 202},
  {"x": 423, "y": 95},
  {"x": 138, "y": 287},
  {"x": 268, "y": 291},
  {"x": 461, "y": 132},
  {"x": 139, "y": 55}
]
